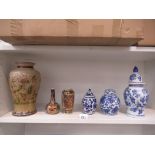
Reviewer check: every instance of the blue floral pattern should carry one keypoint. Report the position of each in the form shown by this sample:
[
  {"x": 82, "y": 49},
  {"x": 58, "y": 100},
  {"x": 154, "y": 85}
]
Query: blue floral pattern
[
  {"x": 136, "y": 99},
  {"x": 89, "y": 103},
  {"x": 109, "y": 102},
  {"x": 135, "y": 77}
]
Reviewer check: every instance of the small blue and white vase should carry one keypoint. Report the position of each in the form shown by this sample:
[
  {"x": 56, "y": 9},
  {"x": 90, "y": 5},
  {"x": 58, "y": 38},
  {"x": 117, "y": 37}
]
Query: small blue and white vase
[
  {"x": 89, "y": 103},
  {"x": 109, "y": 102},
  {"x": 135, "y": 95}
]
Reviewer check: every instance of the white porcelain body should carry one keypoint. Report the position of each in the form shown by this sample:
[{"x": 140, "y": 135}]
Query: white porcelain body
[{"x": 136, "y": 97}]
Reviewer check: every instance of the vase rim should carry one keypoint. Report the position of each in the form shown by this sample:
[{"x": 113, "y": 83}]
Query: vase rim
[
  {"x": 24, "y": 64},
  {"x": 70, "y": 91}
]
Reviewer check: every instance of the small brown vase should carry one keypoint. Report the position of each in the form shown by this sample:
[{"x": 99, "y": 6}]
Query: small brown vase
[
  {"x": 67, "y": 100},
  {"x": 52, "y": 107},
  {"x": 24, "y": 83}
]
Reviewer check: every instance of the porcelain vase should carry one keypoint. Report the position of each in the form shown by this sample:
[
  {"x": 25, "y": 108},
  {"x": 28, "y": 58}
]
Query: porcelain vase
[
  {"x": 109, "y": 102},
  {"x": 89, "y": 103},
  {"x": 135, "y": 95}
]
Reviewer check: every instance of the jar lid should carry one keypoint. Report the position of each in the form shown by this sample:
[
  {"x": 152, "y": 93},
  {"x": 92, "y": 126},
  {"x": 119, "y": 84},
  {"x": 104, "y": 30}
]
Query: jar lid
[
  {"x": 89, "y": 93},
  {"x": 135, "y": 77}
]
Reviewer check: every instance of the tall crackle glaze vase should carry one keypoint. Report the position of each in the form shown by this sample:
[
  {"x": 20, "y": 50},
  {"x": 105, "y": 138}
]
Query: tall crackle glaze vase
[
  {"x": 24, "y": 83},
  {"x": 135, "y": 95}
]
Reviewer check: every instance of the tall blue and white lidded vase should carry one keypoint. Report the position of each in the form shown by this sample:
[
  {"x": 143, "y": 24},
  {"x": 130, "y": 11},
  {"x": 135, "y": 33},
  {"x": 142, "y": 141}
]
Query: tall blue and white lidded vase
[
  {"x": 89, "y": 103},
  {"x": 135, "y": 95}
]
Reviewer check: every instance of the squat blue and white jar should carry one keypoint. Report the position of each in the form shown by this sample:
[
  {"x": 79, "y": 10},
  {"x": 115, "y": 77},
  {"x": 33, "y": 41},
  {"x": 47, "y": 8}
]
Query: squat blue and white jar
[
  {"x": 135, "y": 95},
  {"x": 89, "y": 103},
  {"x": 109, "y": 102}
]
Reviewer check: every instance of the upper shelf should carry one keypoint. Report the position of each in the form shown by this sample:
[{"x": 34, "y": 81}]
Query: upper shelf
[
  {"x": 72, "y": 41},
  {"x": 80, "y": 52},
  {"x": 88, "y": 32},
  {"x": 109, "y": 32}
]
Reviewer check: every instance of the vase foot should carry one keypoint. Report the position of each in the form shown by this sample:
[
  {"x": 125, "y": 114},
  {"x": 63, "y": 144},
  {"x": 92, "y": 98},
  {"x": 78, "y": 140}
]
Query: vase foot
[
  {"x": 88, "y": 113},
  {"x": 135, "y": 115},
  {"x": 68, "y": 111},
  {"x": 23, "y": 113}
]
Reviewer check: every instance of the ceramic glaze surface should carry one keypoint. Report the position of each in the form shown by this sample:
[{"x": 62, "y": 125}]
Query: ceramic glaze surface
[
  {"x": 89, "y": 103},
  {"x": 24, "y": 84},
  {"x": 109, "y": 102},
  {"x": 135, "y": 95},
  {"x": 53, "y": 107}
]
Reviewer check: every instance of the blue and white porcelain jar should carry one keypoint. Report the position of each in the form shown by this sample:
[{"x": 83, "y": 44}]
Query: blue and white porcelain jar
[
  {"x": 109, "y": 102},
  {"x": 89, "y": 103},
  {"x": 135, "y": 95}
]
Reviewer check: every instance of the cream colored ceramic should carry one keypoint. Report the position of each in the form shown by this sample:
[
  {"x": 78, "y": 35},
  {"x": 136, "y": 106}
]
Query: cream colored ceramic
[{"x": 24, "y": 83}]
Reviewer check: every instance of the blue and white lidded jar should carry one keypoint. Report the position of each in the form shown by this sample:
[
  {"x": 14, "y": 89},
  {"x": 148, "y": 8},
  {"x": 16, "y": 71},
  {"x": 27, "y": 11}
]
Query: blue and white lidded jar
[
  {"x": 109, "y": 102},
  {"x": 89, "y": 103},
  {"x": 135, "y": 95}
]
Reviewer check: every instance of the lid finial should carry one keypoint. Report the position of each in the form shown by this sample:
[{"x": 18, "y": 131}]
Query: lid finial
[{"x": 135, "y": 69}]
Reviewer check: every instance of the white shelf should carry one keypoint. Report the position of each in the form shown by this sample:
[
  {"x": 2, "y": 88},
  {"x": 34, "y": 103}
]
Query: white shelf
[
  {"x": 74, "y": 118},
  {"x": 92, "y": 53}
]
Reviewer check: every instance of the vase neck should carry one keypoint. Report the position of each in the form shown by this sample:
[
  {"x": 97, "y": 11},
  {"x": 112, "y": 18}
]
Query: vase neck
[
  {"x": 52, "y": 100},
  {"x": 25, "y": 67},
  {"x": 136, "y": 85}
]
